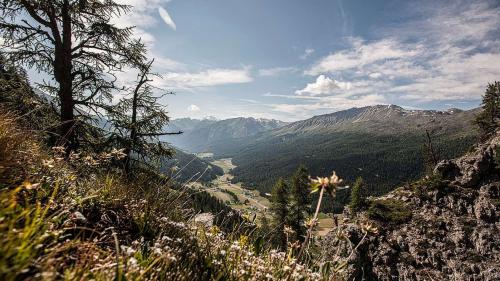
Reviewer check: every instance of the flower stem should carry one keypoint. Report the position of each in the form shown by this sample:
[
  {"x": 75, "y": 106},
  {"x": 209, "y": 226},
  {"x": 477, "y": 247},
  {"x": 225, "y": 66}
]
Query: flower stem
[{"x": 309, "y": 232}]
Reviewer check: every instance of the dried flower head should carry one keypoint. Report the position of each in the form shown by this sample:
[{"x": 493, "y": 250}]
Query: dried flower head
[
  {"x": 330, "y": 184},
  {"x": 118, "y": 153},
  {"x": 368, "y": 227}
]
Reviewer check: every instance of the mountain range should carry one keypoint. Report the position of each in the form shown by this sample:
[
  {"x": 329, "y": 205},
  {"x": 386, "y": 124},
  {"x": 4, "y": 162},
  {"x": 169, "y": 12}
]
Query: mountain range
[
  {"x": 382, "y": 143},
  {"x": 211, "y": 135}
]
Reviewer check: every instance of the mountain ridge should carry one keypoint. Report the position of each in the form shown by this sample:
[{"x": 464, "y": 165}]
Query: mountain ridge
[
  {"x": 203, "y": 135},
  {"x": 369, "y": 113}
]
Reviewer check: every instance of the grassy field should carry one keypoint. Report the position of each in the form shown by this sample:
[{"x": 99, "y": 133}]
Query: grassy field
[{"x": 226, "y": 164}]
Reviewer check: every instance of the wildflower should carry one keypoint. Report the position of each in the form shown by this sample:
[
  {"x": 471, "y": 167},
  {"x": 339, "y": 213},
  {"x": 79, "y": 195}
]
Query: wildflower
[
  {"x": 323, "y": 182},
  {"x": 118, "y": 153},
  {"x": 335, "y": 180},
  {"x": 132, "y": 262},
  {"x": 129, "y": 251},
  {"x": 235, "y": 247},
  {"x": 59, "y": 150},
  {"x": 368, "y": 228},
  {"x": 157, "y": 251},
  {"x": 330, "y": 184},
  {"x": 74, "y": 156},
  {"x": 90, "y": 161},
  {"x": 288, "y": 230}
]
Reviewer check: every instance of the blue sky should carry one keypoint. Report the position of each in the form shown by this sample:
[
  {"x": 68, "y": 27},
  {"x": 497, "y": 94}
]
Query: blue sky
[{"x": 291, "y": 59}]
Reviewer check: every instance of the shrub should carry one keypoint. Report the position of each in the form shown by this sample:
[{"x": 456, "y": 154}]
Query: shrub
[{"x": 389, "y": 211}]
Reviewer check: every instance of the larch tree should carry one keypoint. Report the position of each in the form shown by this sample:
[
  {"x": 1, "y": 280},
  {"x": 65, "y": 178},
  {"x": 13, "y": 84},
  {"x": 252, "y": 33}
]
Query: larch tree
[
  {"x": 430, "y": 153},
  {"x": 279, "y": 209},
  {"x": 301, "y": 202},
  {"x": 139, "y": 120},
  {"x": 489, "y": 119},
  {"x": 76, "y": 42}
]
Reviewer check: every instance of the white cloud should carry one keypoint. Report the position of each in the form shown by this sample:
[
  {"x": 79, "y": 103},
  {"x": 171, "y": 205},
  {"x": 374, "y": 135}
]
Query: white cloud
[
  {"x": 142, "y": 13},
  {"x": 307, "y": 53},
  {"x": 276, "y": 71},
  {"x": 143, "y": 16},
  {"x": 323, "y": 86},
  {"x": 165, "y": 16},
  {"x": 193, "y": 108},
  {"x": 361, "y": 54},
  {"x": 206, "y": 78}
]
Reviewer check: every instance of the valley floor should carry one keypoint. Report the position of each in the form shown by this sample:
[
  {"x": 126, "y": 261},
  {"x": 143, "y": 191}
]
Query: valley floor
[{"x": 250, "y": 202}]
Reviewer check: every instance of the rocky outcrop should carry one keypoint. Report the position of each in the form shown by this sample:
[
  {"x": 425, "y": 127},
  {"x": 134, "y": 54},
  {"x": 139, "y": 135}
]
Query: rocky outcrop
[{"x": 451, "y": 231}]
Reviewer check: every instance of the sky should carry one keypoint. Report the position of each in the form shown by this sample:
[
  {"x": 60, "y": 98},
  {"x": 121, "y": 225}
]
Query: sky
[{"x": 293, "y": 59}]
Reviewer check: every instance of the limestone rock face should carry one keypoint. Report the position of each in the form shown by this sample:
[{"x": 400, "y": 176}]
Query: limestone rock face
[{"x": 453, "y": 233}]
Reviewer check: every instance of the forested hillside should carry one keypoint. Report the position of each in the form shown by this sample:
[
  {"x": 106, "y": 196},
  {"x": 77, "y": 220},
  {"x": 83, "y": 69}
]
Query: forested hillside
[{"x": 383, "y": 144}]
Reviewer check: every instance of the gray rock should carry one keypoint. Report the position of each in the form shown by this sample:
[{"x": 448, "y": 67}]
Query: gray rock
[{"x": 453, "y": 234}]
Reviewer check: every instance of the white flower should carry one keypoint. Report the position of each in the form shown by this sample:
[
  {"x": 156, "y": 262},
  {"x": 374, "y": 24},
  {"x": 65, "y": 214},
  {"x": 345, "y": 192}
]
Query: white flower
[
  {"x": 132, "y": 261},
  {"x": 157, "y": 251}
]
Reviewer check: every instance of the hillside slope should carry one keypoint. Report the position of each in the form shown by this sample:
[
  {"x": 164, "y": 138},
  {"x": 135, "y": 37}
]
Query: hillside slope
[
  {"x": 188, "y": 167},
  {"x": 383, "y": 144},
  {"x": 439, "y": 228},
  {"x": 82, "y": 219}
]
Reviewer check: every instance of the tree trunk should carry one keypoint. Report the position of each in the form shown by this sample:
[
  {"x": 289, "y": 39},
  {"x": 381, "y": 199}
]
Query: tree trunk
[
  {"x": 133, "y": 130},
  {"x": 63, "y": 74}
]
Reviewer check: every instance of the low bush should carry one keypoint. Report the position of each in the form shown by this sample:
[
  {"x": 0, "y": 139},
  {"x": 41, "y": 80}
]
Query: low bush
[{"x": 390, "y": 211}]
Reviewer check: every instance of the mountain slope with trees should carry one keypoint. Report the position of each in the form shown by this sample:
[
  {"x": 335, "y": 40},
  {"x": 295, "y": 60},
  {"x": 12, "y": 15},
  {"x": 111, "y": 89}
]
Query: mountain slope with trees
[{"x": 383, "y": 144}]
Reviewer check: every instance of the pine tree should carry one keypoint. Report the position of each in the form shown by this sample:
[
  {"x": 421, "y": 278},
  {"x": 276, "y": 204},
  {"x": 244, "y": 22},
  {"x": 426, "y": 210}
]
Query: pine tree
[
  {"x": 301, "y": 202},
  {"x": 77, "y": 43},
  {"x": 138, "y": 121},
  {"x": 279, "y": 209},
  {"x": 489, "y": 119},
  {"x": 358, "y": 197}
]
